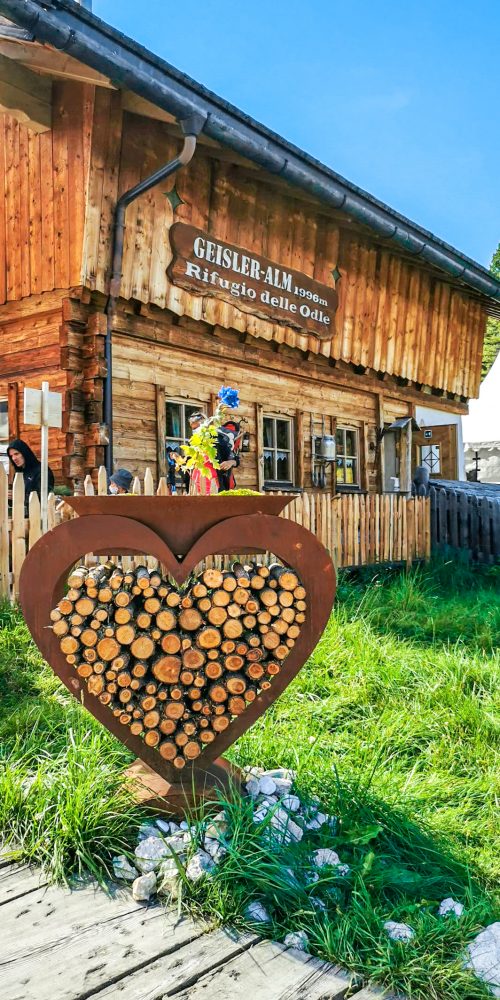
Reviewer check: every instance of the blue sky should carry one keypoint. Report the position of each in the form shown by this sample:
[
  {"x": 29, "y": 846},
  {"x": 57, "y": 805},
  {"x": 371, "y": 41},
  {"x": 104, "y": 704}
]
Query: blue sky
[{"x": 400, "y": 98}]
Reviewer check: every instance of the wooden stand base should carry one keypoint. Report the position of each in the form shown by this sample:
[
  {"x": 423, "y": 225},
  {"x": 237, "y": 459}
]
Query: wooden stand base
[{"x": 151, "y": 790}]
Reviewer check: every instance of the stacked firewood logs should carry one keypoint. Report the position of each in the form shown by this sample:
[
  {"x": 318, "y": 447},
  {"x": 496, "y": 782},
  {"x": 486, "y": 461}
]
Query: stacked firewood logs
[{"x": 176, "y": 666}]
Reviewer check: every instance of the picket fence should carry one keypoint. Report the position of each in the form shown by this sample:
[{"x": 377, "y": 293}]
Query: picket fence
[{"x": 356, "y": 530}]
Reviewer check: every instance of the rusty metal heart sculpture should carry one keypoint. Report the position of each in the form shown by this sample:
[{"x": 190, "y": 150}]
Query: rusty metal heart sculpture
[{"x": 180, "y": 532}]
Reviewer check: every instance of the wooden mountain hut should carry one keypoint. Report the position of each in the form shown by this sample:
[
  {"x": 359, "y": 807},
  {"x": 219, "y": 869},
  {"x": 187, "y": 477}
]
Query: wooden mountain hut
[{"x": 156, "y": 243}]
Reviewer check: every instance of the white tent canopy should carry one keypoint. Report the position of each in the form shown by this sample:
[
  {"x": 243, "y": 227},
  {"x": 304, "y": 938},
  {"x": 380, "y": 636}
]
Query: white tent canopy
[{"x": 482, "y": 425}]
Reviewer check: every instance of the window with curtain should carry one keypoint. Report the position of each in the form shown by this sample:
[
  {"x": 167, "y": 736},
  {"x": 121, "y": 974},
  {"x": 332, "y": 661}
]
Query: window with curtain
[
  {"x": 177, "y": 423},
  {"x": 347, "y": 457},
  {"x": 278, "y": 450}
]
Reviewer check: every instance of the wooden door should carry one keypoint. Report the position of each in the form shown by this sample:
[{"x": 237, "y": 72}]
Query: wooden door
[{"x": 436, "y": 447}]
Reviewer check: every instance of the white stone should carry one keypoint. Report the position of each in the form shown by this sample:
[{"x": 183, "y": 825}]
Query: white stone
[
  {"x": 177, "y": 844},
  {"x": 123, "y": 869},
  {"x": 164, "y": 826},
  {"x": 325, "y": 856},
  {"x": 311, "y": 878},
  {"x": 484, "y": 957},
  {"x": 343, "y": 870},
  {"x": 266, "y": 801},
  {"x": 252, "y": 787},
  {"x": 169, "y": 879},
  {"x": 217, "y": 827},
  {"x": 318, "y": 904},
  {"x": 215, "y": 849},
  {"x": 184, "y": 825},
  {"x": 398, "y": 932},
  {"x": 144, "y": 887},
  {"x": 316, "y": 821},
  {"x": 149, "y": 853},
  {"x": 283, "y": 785},
  {"x": 267, "y": 785},
  {"x": 281, "y": 773},
  {"x": 257, "y": 913},
  {"x": 291, "y": 802},
  {"x": 298, "y": 940},
  {"x": 285, "y": 827},
  {"x": 201, "y": 864},
  {"x": 260, "y": 815},
  {"x": 312, "y": 824},
  {"x": 450, "y": 905},
  {"x": 147, "y": 830}
]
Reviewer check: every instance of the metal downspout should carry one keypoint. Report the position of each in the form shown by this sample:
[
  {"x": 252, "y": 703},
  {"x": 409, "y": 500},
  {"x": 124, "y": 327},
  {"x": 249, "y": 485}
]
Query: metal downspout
[{"x": 191, "y": 128}]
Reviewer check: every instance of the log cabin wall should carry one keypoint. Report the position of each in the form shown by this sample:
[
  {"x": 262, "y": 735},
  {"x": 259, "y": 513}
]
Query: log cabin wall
[
  {"x": 393, "y": 316},
  {"x": 157, "y": 358},
  {"x": 31, "y": 330},
  {"x": 43, "y": 181}
]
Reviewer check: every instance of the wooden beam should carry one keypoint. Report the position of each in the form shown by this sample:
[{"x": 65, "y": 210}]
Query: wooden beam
[
  {"x": 380, "y": 452},
  {"x": 259, "y": 445},
  {"x": 299, "y": 449},
  {"x": 161, "y": 431},
  {"x": 13, "y": 409},
  {"x": 25, "y": 95},
  {"x": 51, "y": 62}
]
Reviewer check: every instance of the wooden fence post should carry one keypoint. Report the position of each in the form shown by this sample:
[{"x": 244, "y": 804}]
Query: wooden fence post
[
  {"x": 18, "y": 531},
  {"x": 35, "y": 526},
  {"x": 4, "y": 534}
]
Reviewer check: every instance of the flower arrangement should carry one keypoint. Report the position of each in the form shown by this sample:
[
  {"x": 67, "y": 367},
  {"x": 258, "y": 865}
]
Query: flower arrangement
[{"x": 201, "y": 451}]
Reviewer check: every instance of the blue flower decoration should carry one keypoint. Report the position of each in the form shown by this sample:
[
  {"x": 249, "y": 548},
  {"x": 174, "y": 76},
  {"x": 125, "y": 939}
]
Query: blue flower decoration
[{"x": 229, "y": 397}]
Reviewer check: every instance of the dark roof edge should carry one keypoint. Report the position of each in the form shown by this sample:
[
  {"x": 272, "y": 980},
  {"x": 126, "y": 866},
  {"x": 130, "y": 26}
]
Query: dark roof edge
[{"x": 71, "y": 28}]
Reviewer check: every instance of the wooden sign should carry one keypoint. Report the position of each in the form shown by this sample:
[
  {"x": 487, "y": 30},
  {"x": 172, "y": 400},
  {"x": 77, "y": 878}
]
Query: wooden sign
[
  {"x": 206, "y": 265},
  {"x": 42, "y": 408}
]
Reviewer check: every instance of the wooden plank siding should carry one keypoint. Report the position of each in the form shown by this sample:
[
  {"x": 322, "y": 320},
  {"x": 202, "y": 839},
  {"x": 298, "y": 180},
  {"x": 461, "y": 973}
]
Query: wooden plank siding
[
  {"x": 394, "y": 316},
  {"x": 43, "y": 182},
  {"x": 139, "y": 369},
  {"x": 34, "y": 356}
]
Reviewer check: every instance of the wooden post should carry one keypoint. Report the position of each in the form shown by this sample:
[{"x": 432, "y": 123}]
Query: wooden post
[
  {"x": 299, "y": 449},
  {"x": 18, "y": 531},
  {"x": 4, "y": 533},
  {"x": 13, "y": 409},
  {"x": 161, "y": 431},
  {"x": 102, "y": 481},
  {"x": 34, "y": 529},
  {"x": 44, "y": 457},
  {"x": 259, "y": 434},
  {"x": 380, "y": 441}
]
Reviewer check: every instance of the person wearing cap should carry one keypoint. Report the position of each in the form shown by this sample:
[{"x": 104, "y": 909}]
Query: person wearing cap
[{"x": 120, "y": 482}]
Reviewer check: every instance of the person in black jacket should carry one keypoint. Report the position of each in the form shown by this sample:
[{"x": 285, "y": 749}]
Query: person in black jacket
[{"x": 25, "y": 461}]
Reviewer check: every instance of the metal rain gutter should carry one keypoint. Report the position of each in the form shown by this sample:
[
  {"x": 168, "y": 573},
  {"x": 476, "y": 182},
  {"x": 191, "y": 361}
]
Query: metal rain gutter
[
  {"x": 191, "y": 128},
  {"x": 66, "y": 26}
]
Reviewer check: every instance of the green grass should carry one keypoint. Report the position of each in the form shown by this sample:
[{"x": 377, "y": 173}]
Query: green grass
[
  {"x": 393, "y": 723},
  {"x": 63, "y": 803}
]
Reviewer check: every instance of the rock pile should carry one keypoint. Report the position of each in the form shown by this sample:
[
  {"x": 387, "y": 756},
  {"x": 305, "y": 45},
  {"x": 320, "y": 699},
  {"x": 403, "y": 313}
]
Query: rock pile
[{"x": 169, "y": 852}]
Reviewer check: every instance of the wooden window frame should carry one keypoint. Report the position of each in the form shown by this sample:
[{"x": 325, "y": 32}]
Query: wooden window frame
[
  {"x": 5, "y": 441},
  {"x": 280, "y": 484},
  {"x": 356, "y": 486},
  {"x": 195, "y": 404}
]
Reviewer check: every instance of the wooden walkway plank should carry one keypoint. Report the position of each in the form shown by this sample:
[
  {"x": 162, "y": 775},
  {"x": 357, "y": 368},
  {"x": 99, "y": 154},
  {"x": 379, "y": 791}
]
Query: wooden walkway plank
[
  {"x": 51, "y": 914},
  {"x": 372, "y": 993},
  {"x": 268, "y": 971},
  {"x": 179, "y": 970},
  {"x": 323, "y": 981},
  {"x": 91, "y": 960},
  {"x": 17, "y": 881}
]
